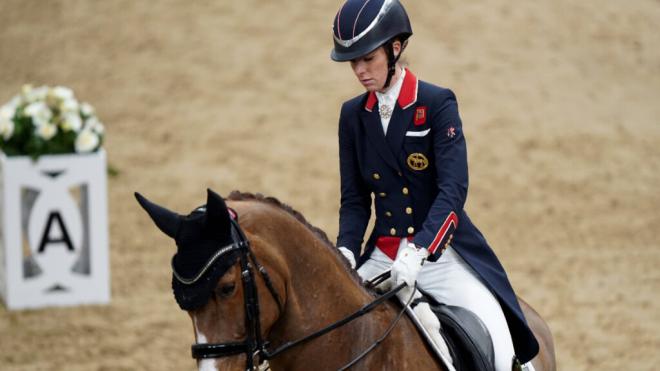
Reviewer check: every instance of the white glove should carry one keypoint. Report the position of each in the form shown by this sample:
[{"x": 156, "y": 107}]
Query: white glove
[
  {"x": 407, "y": 264},
  {"x": 348, "y": 254}
]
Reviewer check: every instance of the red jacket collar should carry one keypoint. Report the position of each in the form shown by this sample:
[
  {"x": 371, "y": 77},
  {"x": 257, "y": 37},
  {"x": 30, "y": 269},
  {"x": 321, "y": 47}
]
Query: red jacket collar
[{"x": 407, "y": 96}]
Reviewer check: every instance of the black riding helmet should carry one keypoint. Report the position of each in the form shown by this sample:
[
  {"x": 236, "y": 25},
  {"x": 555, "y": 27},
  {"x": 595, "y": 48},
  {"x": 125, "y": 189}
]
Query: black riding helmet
[{"x": 362, "y": 26}]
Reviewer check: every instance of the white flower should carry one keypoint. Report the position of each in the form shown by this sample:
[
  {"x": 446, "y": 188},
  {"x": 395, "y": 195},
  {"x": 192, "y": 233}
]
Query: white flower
[
  {"x": 6, "y": 127},
  {"x": 25, "y": 89},
  {"x": 86, "y": 141},
  {"x": 33, "y": 109},
  {"x": 86, "y": 109},
  {"x": 31, "y": 94},
  {"x": 7, "y": 111},
  {"x": 14, "y": 102},
  {"x": 69, "y": 106},
  {"x": 94, "y": 125},
  {"x": 61, "y": 98},
  {"x": 39, "y": 112},
  {"x": 46, "y": 131},
  {"x": 72, "y": 121},
  {"x": 62, "y": 93}
]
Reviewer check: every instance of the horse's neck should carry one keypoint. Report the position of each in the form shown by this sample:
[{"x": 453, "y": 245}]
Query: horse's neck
[
  {"x": 321, "y": 291},
  {"x": 321, "y": 288}
]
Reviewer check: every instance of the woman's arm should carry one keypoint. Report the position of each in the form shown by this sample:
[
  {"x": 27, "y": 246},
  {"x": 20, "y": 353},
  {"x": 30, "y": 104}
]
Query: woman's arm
[
  {"x": 452, "y": 176},
  {"x": 355, "y": 209}
]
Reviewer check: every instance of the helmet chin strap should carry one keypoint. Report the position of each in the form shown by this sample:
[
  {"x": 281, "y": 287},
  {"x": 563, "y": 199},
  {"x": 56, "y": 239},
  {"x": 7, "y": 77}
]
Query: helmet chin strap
[{"x": 391, "y": 61}]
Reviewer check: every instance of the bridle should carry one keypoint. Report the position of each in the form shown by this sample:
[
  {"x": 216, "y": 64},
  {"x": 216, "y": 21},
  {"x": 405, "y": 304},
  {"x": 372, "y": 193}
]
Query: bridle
[{"x": 254, "y": 344}]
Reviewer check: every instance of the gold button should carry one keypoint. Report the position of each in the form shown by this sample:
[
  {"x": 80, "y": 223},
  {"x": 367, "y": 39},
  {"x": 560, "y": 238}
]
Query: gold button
[
  {"x": 387, "y": 213},
  {"x": 392, "y": 231},
  {"x": 408, "y": 210},
  {"x": 376, "y": 176},
  {"x": 411, "y": 230},
  {"x": 405, "y": 190},
  {"x": 382, "y": 194}
]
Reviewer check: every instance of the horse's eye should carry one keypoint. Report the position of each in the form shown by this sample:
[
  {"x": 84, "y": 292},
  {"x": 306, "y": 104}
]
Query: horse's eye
[{"x": 225, "y": 291}]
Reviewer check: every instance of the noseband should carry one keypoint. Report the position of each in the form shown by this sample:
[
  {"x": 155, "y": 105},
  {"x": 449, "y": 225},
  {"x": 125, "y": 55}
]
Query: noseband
[{"x": 254, "y": 344}]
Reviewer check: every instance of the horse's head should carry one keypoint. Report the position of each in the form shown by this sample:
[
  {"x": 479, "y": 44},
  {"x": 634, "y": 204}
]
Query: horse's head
[{"x": 210, "y": 274}]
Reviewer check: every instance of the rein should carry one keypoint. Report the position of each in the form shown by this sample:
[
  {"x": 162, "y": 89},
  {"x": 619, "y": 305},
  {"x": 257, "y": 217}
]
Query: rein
[
  {"x": 254, "y": 344},
  {"x": 357, "y": 314}
]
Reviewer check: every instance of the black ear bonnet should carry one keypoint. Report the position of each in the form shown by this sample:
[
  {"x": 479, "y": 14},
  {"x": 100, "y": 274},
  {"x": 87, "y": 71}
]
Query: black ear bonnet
[{"x": 200, "y": 236}]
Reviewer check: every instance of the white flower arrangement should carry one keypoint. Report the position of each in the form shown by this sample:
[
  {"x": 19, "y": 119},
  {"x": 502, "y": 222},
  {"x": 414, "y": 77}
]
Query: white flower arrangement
[{"x": 47, "y": 120}]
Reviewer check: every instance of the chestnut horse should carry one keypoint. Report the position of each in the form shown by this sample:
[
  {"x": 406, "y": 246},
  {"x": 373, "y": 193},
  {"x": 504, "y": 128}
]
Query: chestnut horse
[{"x": 315, "y": 287}]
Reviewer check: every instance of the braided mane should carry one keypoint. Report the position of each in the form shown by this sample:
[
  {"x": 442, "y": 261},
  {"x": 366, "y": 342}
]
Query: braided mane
[
  {"x": 246, "y": 196},
  {"x": 243, "y": 196}
]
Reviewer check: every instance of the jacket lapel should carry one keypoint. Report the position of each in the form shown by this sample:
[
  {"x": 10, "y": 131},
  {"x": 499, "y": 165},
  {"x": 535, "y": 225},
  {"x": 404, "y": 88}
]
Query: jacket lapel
[
  {"x": 403, "y": 113},
  {"x": 389, "y": 148},
  {"x": 396, "y": 131},
  {"x": 374, "y": 130}
]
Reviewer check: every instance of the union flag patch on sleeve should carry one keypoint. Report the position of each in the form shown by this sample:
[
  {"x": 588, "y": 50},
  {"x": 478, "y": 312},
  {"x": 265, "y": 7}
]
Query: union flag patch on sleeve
[{"x": 420, "y": 116}]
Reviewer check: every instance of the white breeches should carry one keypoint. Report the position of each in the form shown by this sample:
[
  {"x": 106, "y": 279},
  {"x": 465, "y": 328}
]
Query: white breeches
[{"x": 450, "y": 280}]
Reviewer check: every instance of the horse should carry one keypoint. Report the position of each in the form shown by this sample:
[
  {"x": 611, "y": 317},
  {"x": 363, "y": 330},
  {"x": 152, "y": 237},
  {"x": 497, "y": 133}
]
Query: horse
[{"x": 302, "y": 283}]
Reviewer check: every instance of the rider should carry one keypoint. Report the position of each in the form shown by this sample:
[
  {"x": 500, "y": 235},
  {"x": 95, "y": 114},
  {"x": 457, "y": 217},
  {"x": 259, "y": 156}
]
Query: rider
[{"x": 402, "y": 141}]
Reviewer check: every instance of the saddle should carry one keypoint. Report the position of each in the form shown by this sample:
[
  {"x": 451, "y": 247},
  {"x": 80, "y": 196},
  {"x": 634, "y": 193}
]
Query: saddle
[{"x": 467, "y": 338}]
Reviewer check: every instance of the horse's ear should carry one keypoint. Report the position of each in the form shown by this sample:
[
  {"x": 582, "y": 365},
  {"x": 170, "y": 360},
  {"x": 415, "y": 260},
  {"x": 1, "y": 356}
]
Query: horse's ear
[
  {"x": 217, "y": 216},
  {"x": 167, "y": 221}
]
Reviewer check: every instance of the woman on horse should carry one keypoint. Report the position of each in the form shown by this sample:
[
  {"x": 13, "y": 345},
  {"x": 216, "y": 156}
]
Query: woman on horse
[{"x": 402, "y": 141}]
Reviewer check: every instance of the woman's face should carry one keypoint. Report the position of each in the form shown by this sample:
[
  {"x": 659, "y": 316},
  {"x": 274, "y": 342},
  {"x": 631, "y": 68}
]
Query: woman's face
[{"x": 371, "y": 69}]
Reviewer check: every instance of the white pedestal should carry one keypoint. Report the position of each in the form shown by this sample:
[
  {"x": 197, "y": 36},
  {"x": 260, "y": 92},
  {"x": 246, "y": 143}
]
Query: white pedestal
[{"x": 54, "y": 231}]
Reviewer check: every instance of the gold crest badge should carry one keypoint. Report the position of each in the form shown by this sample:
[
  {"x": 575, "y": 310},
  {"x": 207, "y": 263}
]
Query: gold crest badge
[{"x": 417, "y": 161}]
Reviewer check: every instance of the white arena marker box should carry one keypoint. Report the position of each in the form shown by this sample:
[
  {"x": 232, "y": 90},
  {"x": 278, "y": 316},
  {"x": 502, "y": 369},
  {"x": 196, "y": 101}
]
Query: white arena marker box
[{"x": 54, "y": 230}]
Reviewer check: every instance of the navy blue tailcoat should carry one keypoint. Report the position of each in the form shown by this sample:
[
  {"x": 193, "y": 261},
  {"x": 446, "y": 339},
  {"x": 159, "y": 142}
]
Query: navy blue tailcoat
[{"x": 418, "y": 176}]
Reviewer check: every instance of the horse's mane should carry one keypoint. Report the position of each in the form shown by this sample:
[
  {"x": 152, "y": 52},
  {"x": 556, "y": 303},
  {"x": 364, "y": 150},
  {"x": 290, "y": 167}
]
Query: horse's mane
[
  {"x": 243, "y": 196},
  {"x": 246, "y": 196}
]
